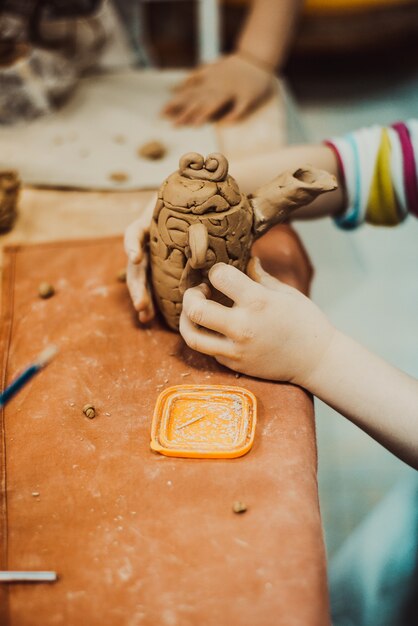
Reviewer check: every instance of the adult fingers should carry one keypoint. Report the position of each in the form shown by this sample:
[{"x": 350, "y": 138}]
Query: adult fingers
[
  {"x": 209, "y": 314},
  {"x": 239, "y": 109},
  {"x": 189, "y": 113},
  {"x": 194, "y": 78},
  {"x": 234, "y": 284},
  {"x": 205, "y": 341},
  {"x": 176, "y": 104},
  {"x": 210, "y": 108}
]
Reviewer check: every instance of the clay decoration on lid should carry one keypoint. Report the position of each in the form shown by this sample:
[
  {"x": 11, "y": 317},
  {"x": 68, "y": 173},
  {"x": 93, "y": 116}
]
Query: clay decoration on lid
[{"x": 201, "y": 218}]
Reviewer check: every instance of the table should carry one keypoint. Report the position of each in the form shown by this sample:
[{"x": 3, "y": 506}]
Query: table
[{"x": 138, "y": 538}]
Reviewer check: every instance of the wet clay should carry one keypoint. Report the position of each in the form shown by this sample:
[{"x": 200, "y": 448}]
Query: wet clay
[
  {"x": 119, "y": 177},
  {"x": 45, "y": 291},
  {"x": 152, "y": 150},
  {"x": 9, "y": 193},
  {"x": 201, "y": 218}
]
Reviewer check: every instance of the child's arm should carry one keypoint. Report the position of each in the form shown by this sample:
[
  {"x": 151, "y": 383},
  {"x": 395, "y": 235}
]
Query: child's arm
[
  {"x": 385, "y": 172},
  {"x": 376, "y": 396},
  {"x": 231, "y": 86},
  {"x": 275, "y": 332},
  {"x": 253, "y": 172},
  {"x": 376, "y": 167}
]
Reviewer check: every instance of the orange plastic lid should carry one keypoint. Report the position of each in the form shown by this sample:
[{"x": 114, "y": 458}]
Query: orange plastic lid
[{"x": 204, "y": 421}]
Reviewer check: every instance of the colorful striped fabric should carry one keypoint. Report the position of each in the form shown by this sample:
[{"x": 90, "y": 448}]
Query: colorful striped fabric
[{"x": 379, "y": 167}]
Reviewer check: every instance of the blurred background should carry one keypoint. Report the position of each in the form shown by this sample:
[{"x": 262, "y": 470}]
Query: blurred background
[{"x": 350, "y": 63}]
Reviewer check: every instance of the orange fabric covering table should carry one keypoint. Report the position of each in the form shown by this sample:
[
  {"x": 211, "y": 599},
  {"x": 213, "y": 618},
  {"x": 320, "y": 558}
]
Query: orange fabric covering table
[{"x": 138, "y": 538}]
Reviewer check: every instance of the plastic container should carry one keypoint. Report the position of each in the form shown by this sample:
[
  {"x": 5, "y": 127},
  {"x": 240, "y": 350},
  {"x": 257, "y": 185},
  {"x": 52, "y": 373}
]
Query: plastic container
[{"x": 204, "y": 421}]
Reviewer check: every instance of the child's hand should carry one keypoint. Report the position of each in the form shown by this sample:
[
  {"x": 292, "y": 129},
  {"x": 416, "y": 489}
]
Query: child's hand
[
  {"x": 272, "y": 331},
  {"x": 232, "y": 82},
  {"x": 136, "y": 237}
]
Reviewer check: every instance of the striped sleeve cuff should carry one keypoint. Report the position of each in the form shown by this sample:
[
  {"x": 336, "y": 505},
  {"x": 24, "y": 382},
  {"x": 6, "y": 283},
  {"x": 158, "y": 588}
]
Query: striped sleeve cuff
[{"x": 380, "y": 170}]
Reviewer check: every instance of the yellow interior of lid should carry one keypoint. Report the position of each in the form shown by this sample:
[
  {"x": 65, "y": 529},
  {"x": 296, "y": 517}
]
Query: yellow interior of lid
[{"x": 204, "y": 421}]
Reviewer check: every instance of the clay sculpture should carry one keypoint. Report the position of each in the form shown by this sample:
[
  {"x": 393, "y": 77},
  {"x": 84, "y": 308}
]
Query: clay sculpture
[{"x": 201, "y": 218}]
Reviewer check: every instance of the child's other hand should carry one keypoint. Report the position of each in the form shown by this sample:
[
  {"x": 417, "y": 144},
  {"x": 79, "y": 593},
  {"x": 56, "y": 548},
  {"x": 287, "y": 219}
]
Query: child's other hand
[
  {"x": 272, "y": 330},
  {"x": 136, "y": 237},
  {"x": 228, "y": 88}
]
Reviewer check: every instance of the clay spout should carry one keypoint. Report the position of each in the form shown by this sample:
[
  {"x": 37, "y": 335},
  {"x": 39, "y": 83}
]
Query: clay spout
[{"x": 274, "y": 202}]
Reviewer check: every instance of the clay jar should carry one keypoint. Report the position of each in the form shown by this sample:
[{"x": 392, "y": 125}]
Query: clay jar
[{"x": 201, "y": 218}]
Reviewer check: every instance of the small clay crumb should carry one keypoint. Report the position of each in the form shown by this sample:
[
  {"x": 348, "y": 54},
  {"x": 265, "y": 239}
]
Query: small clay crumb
[
  {"x": 237, "y": 375},
  {"x": 89, "y": 411},
  {"x": 185, "y": 374},
  {"x": 45, "y": 290},
  {"x": 119, "y": 177},
  {"x": 239, "y": 507},
  {"x": 152, "y": 150},
  {"x": 121, "y": 276},
  {"x": 35, "y": 494},
  {"x": 119, "y": 139}
]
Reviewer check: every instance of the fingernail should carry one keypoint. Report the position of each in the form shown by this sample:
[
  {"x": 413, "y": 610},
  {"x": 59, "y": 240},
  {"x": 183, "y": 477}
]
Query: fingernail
[{"x": 215, "y": 269}]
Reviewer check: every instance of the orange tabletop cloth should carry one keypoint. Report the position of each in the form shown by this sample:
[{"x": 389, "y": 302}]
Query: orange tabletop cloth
[{"x": 139, "y": 539}]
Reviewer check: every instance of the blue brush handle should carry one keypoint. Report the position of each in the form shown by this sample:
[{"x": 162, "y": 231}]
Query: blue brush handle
[{"x": 17, "y": 384}]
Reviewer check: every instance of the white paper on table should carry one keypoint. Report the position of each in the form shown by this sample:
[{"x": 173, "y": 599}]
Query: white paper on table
[{"x": 76, "y": 146}]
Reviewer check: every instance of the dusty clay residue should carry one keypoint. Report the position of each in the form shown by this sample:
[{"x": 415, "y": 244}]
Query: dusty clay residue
[
  {"x": 9, "y": 194},
  {"x": 201, "y": 218},
  {"x": 153, "y": 150}
]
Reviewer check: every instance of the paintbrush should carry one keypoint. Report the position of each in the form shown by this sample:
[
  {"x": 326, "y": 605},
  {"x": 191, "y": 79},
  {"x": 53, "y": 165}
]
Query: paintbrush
[
  {"x": 28, "y": 577},
  {"x": 43, "y": 359}
]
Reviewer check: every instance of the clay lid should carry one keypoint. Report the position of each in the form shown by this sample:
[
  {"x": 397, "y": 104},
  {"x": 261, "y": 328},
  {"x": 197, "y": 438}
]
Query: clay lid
[
  {"x": 204, "y": 421},
  {"x": 201, "y": 185}
]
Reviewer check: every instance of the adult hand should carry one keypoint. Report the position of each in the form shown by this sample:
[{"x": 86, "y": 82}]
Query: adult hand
[
  {"x": 272, "y": 330},
  {"x": 229, "y": 88}
]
